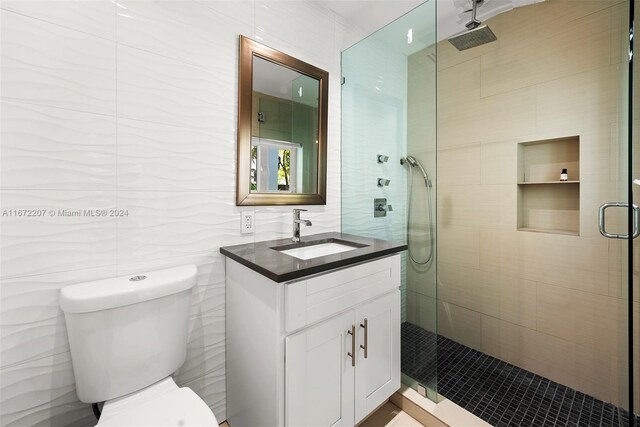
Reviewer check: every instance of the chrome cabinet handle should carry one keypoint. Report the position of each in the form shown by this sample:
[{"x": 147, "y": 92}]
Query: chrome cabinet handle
[
  {"x": 365, "y": 347},
  {"x": 352, "y": 354},
  {"x": 601, "y": 220}
]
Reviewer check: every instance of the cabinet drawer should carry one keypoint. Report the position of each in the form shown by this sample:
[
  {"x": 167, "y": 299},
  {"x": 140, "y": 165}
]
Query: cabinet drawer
[{"x": 319, "y": 297}]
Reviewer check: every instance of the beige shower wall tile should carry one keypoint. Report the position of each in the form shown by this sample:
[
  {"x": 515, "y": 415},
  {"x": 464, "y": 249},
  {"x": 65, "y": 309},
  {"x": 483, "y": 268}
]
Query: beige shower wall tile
[
  {"x": 596, "y": 152},
  {"x": 458, "y": 94},
  {"x": 581, "y": 252},
  {"x": 617, "y": 149},
  {"x": 459, "y": 245},
  {"x": 573, "y": 262},
  {"x": 499, "y": 162},
  {"x": 466, "y": 118},
  {"x": 459, "y": 324},
  {"x": 493, "y": 337},
  {"x": 461, "y": 286},
  {"x": 585, "y": 318},
  {"x": 579, "y": 103},
  {"x": 618, "y": 269},
  {"x": 421, "y": 100},
  {"x": 620, "y": 33},
  {"x": 507, "y": 116},
  {"x": 517, "y": 298},
  {"x": 459, "y": 83},
  {"x": 459, "y": 166},
  {"x": 458, "y": 205},
  {"x": 574, "y": 46},
  {"x": 499, "y": 251},
  {"x": 565, "y": 362},
  {"x": 552, "y": 16},
  {"x": 498, "y": 206},
  {"x": 498, "y": 295},
  {"x": 568, "y": 261}
]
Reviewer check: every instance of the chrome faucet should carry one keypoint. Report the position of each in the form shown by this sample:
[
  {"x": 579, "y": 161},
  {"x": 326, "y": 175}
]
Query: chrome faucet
[{"x": 296, "y": 224}]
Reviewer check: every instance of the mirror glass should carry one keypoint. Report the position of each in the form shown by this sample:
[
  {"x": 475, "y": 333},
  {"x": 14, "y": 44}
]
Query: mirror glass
[
  {"x": 282, "y": 125},
  {"x": 284, "y": 132}
]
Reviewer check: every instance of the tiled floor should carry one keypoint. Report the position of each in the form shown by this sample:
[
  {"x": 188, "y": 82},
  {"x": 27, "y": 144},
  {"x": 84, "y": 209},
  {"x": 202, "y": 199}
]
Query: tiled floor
[{"x": 498, "y": 392}]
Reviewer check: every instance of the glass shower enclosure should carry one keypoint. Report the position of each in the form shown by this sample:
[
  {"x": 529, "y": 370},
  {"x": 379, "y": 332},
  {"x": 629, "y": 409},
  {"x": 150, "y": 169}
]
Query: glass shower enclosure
[
  {"x": 389, "y": 168},
  {"x": 520, "y": 298}
]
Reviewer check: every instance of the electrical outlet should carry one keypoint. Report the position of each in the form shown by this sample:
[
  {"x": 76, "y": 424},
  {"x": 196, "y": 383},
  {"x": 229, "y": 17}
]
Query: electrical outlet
[{"x": 246, "y": 222}]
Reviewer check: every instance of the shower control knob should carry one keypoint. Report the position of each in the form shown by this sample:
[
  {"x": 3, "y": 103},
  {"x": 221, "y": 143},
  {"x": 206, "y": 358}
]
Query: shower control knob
[
  {"x": 380, "y": 207},
  {"x": 383, "y": 182}
]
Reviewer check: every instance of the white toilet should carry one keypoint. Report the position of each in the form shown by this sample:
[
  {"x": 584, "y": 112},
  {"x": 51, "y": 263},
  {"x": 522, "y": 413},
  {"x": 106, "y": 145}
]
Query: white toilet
[{"x": 128, "y": 335}]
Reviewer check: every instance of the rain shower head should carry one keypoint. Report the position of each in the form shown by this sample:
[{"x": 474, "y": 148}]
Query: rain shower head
[
  {"x": 473, "y": 38},
  {"x": 477, "y": 35}
]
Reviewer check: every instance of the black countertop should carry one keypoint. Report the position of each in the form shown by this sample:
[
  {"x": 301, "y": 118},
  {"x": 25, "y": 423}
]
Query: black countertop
[{"x": 279, "y": 267}]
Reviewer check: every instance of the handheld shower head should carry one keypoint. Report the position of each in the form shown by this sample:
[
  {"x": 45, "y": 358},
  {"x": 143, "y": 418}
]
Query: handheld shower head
[{"x": 414, "y": 163}]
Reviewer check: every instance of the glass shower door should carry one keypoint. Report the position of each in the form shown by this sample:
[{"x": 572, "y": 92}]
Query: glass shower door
[
  {"x": 619, "y": 222},
  {"x": 633, "y": 245},
  {"x": 389, "y": 169}
]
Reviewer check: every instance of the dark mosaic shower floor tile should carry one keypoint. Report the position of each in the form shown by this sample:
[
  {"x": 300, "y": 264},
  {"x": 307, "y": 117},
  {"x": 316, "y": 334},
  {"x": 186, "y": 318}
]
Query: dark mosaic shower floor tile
[{"x": 500, "y": 393}]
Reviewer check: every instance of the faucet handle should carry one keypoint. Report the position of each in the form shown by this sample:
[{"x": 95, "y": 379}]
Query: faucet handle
[{"x": 300, "y": 210}]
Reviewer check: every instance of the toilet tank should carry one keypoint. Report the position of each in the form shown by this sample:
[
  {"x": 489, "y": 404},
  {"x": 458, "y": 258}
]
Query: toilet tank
[{"x": 127, "y": 332}]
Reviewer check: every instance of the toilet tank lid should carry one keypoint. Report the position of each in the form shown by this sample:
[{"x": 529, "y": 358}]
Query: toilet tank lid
[{"x": 126, "y": 290}]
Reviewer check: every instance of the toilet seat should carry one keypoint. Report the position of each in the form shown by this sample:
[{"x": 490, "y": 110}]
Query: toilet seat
[{"x": 161, "y": 404}]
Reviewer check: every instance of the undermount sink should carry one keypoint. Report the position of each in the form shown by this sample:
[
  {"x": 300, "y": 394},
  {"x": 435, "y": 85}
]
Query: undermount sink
[{"x": 309, "y": 250}]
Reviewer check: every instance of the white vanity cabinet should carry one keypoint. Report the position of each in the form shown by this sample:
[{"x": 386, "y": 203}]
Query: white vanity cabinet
[{"x": 319, "y": 351}]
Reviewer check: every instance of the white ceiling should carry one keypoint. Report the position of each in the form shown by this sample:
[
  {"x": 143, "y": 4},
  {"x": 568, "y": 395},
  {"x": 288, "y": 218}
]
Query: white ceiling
[{"x": 371, "y": 15}]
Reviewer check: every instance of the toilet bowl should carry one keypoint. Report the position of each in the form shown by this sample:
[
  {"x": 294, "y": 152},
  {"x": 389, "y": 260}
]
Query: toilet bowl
[
  {"x": 127, "y": 336},
  {"x": 161, "y": 404}
]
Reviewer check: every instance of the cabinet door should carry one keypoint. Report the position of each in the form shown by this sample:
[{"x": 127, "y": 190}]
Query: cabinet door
[
  {"x": 377, "y": 375},
  {"x": 320, "y": 375}
]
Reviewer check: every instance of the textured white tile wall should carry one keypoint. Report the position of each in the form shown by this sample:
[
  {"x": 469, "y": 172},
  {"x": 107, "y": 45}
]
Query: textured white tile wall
[{"x": 131, "y": 104}]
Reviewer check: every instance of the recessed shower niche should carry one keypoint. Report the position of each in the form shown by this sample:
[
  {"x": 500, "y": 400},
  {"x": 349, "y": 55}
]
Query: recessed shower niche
[{"x": 545, "y": 202}]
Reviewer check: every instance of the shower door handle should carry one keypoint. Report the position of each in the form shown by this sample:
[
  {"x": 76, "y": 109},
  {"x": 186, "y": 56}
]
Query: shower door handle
[{"x": 636, "y": 220}]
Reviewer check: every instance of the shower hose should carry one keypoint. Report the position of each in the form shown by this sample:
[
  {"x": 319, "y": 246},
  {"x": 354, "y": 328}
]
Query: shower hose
[{"x": 429, "y": 225}]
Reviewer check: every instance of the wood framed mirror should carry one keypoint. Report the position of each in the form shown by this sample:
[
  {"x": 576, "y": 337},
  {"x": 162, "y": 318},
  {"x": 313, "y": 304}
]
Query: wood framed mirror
[{"x": 282, "y": 129}]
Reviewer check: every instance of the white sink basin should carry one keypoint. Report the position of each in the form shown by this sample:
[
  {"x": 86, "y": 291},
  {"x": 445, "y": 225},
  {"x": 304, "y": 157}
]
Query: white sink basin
[{"x": 314, "y": 251}]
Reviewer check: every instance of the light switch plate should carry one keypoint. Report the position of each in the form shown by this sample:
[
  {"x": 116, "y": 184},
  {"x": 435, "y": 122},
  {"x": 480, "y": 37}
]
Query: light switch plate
[{"x": 246, "y": 222}]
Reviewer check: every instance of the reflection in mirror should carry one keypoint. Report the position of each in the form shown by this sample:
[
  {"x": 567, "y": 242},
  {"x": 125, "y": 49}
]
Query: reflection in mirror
[
  {"x": 282, "y": 115},
  {"x": 284, "y": 132}
]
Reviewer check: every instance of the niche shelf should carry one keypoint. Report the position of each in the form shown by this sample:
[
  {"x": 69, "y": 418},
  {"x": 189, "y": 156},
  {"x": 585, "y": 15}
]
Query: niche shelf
[{"x": 546, "y": 204}]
